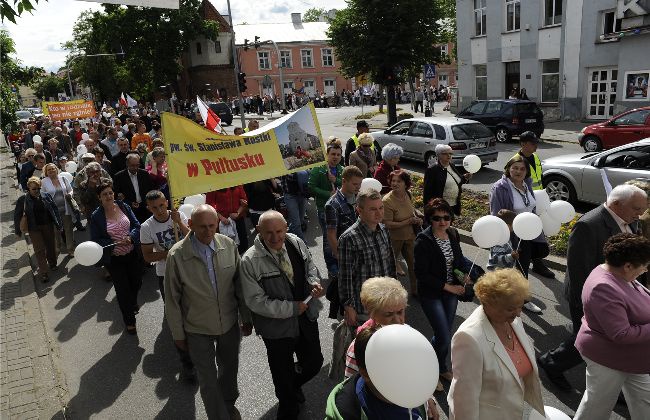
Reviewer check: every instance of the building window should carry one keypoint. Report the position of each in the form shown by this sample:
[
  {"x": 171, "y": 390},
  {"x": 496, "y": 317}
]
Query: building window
[
  {"x": 610, "y": 23},
  {"x": 444, "y": 50},
  {"x": 443, "y": 80},
  {"x": 481, "y": 81},
  {"x": 479, "y": 16},
  {"x": 306, "y": 56},
  {"x": 513, "y": 12},
  {"x": 552, "y": 12},
  {"x": 198, "y": 48},
  {"x": 285, "y": 59},
  {"x": 217, "y": 47},
  {"x": 288, "y": 86},
  {"x": 263, "y": 60},
  {"x": 550, "y": 81},
  {"x": 330, "y": 86},
  {"x": 328, "y": 57}
]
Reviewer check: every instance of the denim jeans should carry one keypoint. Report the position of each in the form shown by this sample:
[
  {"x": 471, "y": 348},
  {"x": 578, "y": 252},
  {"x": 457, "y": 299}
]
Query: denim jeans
[
  {"x": 440, "y": 313},
  {"x": 330, "y": 261},
  {"x": 295, "y": 213}
]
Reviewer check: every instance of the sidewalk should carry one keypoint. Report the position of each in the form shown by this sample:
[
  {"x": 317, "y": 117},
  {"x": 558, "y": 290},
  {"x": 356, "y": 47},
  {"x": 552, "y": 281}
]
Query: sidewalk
[{"x": 30, "y": 384}]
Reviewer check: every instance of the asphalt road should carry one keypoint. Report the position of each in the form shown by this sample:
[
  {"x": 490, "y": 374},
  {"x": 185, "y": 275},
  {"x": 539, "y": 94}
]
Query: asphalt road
[{"x": 110, "y": 374}]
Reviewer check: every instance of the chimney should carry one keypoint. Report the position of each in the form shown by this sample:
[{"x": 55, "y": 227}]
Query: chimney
[{"x": 296, "y": 18}]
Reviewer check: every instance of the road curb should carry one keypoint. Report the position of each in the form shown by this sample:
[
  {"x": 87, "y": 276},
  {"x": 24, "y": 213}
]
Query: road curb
[{"x": 552, "y": 261}]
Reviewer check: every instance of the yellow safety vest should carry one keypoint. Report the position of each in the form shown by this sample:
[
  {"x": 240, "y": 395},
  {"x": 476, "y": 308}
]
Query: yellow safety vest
[
  {"x": 356, "y": 142},
  {"x": 535, "y": 172}
]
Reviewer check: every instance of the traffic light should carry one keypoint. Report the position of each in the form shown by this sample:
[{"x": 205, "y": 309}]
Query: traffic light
[
  {"x": 257, "y": 42},
  {"x": 242, "y": 82},
  {"x": 246, "y": 45}
]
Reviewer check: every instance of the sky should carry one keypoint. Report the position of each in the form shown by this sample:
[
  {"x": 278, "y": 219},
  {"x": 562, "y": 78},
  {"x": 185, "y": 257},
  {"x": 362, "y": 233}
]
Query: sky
[{"x": 39, "y": 36}]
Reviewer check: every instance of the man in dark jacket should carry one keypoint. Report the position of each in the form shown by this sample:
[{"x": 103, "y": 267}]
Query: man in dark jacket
[
  {"x": 132, "y": 185},
  {"x": 118, "y": 161},
  {"x": 585, "y": 251}
]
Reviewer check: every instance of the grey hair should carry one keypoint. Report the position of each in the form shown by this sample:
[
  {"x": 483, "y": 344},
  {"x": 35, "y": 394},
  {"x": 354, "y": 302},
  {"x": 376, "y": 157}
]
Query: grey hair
[
  {"x": 443, "y": 148},
  {"x": 132, "y": 156},
  {"x": 624, "y": 193},
  {"x": 93, "y": 165},
  {"x": 391, "y": 151}
]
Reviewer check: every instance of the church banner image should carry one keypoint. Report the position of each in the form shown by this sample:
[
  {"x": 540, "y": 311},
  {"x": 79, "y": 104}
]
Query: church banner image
[{"x": 200, "y": 160}]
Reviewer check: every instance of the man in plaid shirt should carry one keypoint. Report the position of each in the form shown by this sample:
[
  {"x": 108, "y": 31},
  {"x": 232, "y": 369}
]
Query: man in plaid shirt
[
  {"x": 339, "y": 216},
  {"x": 364, "y": 252}
]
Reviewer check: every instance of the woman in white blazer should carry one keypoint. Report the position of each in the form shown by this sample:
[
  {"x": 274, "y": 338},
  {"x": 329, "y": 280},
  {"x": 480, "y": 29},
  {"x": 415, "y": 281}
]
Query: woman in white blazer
[
  {"x": 492, "y": 357},
  {"x": 59, "y": 188}
]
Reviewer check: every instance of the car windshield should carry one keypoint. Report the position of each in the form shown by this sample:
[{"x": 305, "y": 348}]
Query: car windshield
[
  {"x": 588, "y": 155},
  {"x": 23, "y": 114},
  {"x": 470, "y": 131}
]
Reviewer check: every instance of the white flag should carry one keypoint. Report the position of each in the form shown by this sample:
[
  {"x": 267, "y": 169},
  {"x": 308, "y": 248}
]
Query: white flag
[{"x": 131, "y": 103}]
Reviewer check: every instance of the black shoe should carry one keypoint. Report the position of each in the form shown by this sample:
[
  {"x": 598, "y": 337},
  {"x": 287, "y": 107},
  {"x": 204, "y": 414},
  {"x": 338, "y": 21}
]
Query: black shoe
[
  {"x": 542, "y": 270},
  {"x": 556, "y": 378},
  {"x": 300, "y": 397},
  {"x": 188, "y": 375}
]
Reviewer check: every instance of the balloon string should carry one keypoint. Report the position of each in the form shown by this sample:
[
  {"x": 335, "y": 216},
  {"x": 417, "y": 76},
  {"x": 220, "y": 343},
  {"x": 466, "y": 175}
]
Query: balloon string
[
  {"x": 474, "y": 262},
  {"x": 106, "y": 246}
]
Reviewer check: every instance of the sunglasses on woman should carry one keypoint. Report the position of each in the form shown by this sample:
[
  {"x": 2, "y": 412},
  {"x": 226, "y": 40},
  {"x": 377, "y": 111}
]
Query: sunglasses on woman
[{"x": 439, "y": 218}]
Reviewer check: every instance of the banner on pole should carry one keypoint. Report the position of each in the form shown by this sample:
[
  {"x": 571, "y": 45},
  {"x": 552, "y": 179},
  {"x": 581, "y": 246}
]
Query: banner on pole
[
  {"x": 68, "y": 110},
  {"x": 46, "y": 104},
  {"x": 200, "y": 160}
]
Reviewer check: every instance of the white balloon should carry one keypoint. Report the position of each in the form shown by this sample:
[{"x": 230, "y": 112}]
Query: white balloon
[
  {"x": 552, "y": 413},
  {"x": 402, "y": 365},
  {"x": 550, "y": 225},
  {"x": 472, "y": 163},
  {"x": 372, "y": 184},
  {"x": 67, "y": 176},
  {"x": 562, "y": 211},
  {"x": 527, "y": 226},
  {"x": 488, "y": 231},
  {"x": 542, "y": 201},
  {"x": 186, "y": 209},
  {"x": 81, "y": 150},
  {"x": 505, "y": 234},
  {"x": 195, "y": 200},
  {"x": 85, "y": 136},
  {"x": 88, "y": 253},
  {"x": 37, "y": 138},
  {"x": 71, "y": 167}
]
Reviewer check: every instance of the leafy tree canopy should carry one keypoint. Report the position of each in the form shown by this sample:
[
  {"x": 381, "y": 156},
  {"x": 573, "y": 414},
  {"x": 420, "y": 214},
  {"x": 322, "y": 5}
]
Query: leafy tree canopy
[
  {"x": 387, "y": 40},
  {"x": 48, "y": 86},
  {"x": 12, "y": 75},
  {"x": 10, "y": 10},
  {"x": 313, "y": 14},
  {"x": 152, "y": 39}
]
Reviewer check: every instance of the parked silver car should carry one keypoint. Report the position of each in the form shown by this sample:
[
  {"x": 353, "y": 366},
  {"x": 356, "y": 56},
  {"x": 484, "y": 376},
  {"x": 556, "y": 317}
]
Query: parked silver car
[
  {"x": 578, "y": 177},
  {"x": 419, "y": 137}
]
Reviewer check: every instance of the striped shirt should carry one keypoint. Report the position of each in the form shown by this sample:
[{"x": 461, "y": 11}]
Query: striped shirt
[
  {"x": 445, "y": 247},
  {"x": 118, "y": 230}
]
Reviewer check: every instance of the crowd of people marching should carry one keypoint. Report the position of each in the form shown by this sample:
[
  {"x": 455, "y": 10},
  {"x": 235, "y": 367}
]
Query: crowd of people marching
[{"x": 217, "y": 286}]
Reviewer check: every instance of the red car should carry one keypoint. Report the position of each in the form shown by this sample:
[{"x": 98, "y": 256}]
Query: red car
[{"x": 624, "y": 128}]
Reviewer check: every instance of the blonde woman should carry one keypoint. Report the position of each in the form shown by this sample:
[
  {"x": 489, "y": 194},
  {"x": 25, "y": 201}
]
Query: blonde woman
[
  {"x": 492, "y": 357},
  {"x": 364, "y": 156},
  {"x": 61, "y": 191}
]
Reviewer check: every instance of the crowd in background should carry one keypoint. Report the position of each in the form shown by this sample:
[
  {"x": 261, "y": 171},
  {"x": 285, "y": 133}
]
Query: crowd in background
[{"x": 370, "y": 240}]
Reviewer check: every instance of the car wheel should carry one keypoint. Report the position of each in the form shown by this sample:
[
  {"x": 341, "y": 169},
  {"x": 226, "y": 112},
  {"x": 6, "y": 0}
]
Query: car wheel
[
  {"x": 430, "y": 159},
  {"x": 503, "y": 135},
  {"x": 560, "y": 188},
  {"x": 592, "y": 144}
]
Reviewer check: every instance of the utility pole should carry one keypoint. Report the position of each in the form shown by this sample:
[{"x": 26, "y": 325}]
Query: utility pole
[
  {"x": 71, "y": 59},
  {"x": 236, "y": 63}
]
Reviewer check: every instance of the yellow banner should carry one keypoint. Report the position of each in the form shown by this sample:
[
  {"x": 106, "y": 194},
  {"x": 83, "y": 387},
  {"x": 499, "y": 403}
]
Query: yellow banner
[
  {"x": 200, "y": 160},
  {"x": 45, "y": 104}
]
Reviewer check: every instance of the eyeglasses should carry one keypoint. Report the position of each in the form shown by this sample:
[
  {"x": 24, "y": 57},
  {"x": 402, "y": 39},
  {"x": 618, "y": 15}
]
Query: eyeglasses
[{"x": 439, "y": 218}]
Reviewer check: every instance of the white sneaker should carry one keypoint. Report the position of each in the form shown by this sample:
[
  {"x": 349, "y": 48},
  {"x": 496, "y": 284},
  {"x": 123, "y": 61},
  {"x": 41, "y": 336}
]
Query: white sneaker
[{"x": 532, "y": 307}]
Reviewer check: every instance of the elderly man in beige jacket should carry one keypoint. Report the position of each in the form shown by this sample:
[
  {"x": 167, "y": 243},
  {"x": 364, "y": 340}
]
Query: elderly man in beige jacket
[{"x": 204, "y": 309}]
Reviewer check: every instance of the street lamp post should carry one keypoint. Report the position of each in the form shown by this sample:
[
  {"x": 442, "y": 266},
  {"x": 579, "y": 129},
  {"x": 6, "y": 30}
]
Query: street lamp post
[
  {"x": 236, "y": 63},
  {"x": 277, "y": 51},
  {"x": 71, "y": 59}
]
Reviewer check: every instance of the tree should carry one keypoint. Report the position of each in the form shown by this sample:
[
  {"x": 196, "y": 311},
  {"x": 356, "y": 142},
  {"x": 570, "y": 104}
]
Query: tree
[
  {"x": 11, "y": 12},
  {"x": 13, "y": 75},
  {"x": 153, "y": 40},
  {"x": 387, "y": 40},
  {"x": 48, "y": 86},
  {"x": 314, "y": 14}
]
